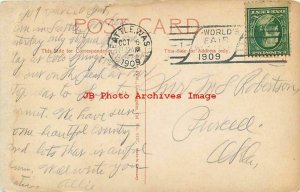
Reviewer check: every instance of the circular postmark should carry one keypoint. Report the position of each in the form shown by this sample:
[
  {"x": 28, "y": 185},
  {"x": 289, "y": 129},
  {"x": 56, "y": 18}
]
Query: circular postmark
[{"x": 130, "y": 46}]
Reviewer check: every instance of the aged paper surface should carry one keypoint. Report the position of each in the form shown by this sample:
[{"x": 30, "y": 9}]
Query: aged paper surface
[{"x": 150, "y": 96}]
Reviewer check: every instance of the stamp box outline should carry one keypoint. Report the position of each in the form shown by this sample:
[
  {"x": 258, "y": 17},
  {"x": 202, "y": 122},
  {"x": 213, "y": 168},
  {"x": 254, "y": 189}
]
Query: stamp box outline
[{"x": 287, "y": 46}]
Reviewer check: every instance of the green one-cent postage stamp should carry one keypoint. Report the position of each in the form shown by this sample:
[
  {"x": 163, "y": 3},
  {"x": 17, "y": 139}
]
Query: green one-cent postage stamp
[{"x": 268, "y": 31}]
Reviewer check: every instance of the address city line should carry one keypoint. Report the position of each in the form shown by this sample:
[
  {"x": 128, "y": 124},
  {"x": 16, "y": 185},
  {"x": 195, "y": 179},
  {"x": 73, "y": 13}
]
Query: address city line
[{"x": 153, "y": 95}]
